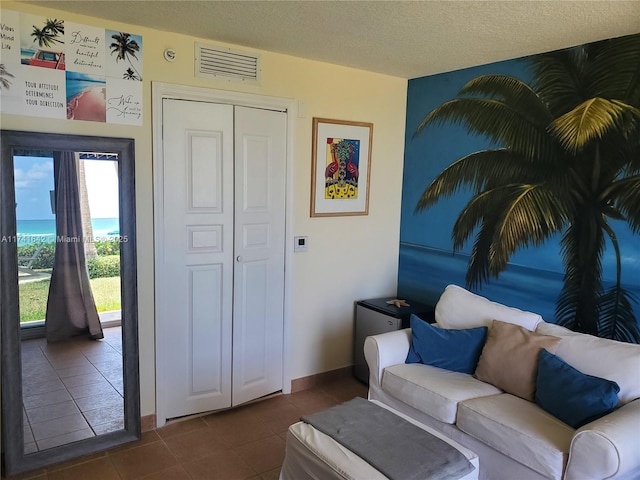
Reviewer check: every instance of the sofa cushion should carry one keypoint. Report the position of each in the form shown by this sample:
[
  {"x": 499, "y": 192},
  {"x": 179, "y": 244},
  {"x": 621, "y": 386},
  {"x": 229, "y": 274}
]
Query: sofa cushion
[
  {"x": 519, "y": 429},
  {"x": 432, "y": 390},
  {"x": 570, "y": 395},
  {"x": 509, "y": 359},
  {"x": 456, "y": 350},
  {"x": 459, "y": 308},
  {"x": 600, "y": 357}
]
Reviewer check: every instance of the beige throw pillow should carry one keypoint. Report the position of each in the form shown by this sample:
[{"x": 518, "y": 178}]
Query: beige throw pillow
[{"x": 509, "y": 359}]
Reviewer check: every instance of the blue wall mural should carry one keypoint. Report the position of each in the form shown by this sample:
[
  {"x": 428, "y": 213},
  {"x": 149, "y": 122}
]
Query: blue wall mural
[{"x": 535, "y": 274}]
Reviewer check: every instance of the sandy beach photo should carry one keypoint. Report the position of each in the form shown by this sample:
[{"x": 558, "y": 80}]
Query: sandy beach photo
[{"x": 90, "y": 104}]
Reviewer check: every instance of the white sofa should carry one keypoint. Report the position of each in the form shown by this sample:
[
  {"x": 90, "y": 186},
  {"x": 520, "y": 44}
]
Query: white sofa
[{"x": 514, "y": 438}]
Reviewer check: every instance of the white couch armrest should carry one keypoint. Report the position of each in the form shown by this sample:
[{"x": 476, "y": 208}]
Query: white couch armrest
[
  {"x": 608, "y": 447},
  {"x": 382, "y": 351}
]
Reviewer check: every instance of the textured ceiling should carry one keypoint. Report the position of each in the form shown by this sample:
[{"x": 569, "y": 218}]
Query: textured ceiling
[{"x": 403, "y": 38}]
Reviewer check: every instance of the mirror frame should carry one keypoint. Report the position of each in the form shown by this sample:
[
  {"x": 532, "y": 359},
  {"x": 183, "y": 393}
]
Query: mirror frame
[{"x": 15, "y": 460}]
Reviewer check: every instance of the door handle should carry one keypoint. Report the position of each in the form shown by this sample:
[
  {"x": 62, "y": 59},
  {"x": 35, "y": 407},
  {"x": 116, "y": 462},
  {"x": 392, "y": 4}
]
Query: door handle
[{"x": 239, "y": 258}]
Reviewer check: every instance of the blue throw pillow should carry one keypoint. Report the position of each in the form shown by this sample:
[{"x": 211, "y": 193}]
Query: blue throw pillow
[
  {"x": 570, "y": 395},
  {"x": 457, "y": 350}
]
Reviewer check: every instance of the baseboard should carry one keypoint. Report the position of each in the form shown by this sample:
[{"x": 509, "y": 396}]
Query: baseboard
[
  {"x": 148, "y": 422},
  {"x": 304, "y": 383}
]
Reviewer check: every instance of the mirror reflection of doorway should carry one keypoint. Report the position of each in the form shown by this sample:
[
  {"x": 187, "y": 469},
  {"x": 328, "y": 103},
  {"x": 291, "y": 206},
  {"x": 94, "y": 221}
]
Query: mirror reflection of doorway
[
  {"x": 72, "y": 380},
  {"x": 16, "y": 424}
]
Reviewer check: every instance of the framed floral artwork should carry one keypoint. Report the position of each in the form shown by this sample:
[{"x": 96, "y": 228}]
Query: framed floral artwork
[{"x": 341, "y": 166}]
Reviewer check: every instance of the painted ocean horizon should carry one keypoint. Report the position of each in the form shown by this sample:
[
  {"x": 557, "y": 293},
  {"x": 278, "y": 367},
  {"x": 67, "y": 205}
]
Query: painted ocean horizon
[
  {"x": 44, "y": 231},
  {"x": 424, "y": 273}
]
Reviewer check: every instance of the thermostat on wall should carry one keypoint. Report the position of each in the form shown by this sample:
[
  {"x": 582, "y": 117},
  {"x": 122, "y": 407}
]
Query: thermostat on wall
[{"x": 301, "y": 244}]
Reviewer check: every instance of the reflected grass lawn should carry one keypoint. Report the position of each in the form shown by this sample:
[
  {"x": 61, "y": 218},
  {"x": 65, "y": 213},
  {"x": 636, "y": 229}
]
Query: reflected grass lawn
[{"x": 33, "y": 297}]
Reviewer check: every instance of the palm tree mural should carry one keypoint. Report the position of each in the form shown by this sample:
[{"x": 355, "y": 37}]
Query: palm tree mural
[
  {"x": 47, "y": 36},
  {"x": 566, "y": 162},
  {"x": 125, "y": 47},
  {"x": 5, "y": 83}
]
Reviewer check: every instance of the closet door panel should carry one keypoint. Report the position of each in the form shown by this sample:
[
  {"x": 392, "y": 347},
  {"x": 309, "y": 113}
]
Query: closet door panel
[
  {"x": 205, "y": 331},
  {"x": 260, "y": 161},
  {"x": 197, "y": 257},
  {"x": 204, "y": 170}
]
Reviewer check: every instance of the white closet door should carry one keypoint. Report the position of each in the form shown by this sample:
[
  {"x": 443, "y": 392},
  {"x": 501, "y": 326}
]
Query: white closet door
[
  {"x": 260, "y": 171},
  {"x": 197, "y": 257}
]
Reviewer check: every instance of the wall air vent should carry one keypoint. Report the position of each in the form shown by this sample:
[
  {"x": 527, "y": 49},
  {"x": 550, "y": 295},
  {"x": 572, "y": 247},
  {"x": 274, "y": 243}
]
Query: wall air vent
[{"x": 226, "y": 64}]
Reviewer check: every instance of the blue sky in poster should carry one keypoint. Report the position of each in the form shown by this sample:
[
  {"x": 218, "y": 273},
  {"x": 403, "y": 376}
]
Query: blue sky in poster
[{"x": 438, "y": 146}]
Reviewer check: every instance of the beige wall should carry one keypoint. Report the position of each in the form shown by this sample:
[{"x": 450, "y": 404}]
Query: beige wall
[{"x": 349, "y": 258}]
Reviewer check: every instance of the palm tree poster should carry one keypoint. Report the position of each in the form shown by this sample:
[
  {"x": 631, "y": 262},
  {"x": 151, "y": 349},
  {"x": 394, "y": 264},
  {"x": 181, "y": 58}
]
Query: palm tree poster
[
  {"x": 522, "y": 183},
  {"x": 124, "y": 72},
  {"x": 124, "y": 58}
]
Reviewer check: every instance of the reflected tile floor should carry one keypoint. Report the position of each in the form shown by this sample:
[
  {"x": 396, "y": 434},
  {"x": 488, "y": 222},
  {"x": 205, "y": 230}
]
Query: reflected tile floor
[
  {"x": 247, "y": 442},
  {"x": 71, "y": 390}
]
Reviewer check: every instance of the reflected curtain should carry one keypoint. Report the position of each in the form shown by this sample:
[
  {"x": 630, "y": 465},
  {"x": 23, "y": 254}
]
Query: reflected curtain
[{"x": 71, "y": 309}]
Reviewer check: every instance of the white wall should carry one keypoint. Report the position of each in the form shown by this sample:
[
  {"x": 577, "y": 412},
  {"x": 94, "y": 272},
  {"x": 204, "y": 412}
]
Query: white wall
[{"x": 349, "y": 258}]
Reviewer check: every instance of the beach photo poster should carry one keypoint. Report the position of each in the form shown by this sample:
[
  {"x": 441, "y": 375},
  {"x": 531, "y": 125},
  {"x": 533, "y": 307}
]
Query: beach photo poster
[
  {"x": 86, "y": 97},
  {"x": 64, "y": 70}
]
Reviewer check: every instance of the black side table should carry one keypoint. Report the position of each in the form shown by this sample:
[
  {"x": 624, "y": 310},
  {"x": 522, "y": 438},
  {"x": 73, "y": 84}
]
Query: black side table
[{"x": 376, "y": 316}]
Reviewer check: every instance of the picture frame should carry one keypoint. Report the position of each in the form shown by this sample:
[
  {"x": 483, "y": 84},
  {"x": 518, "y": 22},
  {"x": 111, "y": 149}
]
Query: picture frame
[{"x": 341, "y": 167}]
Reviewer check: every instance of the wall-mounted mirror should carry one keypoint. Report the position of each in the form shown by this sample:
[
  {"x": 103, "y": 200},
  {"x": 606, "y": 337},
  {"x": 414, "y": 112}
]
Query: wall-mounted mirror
[{"x": 70, "y": 383}]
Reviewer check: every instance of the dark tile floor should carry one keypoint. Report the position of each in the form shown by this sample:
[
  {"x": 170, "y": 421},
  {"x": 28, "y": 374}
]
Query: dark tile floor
[
  {"x": 71, "y": 390},
  {"x": 243, "y": 443}
]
